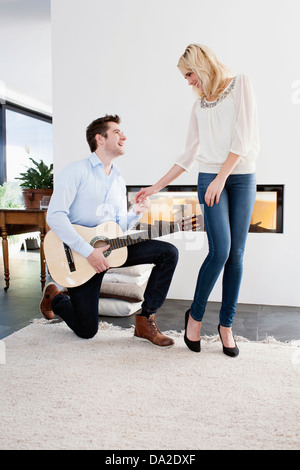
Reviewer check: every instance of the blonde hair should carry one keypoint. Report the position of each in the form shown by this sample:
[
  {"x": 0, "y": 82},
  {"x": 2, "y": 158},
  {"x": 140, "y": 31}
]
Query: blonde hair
[{"x": 211, "y": 72}]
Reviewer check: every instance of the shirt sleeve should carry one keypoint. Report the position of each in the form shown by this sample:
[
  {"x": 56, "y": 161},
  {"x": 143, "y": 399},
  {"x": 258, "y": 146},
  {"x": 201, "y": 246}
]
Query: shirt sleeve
[
  {"x": 125, "y": 218},
  {"x": 187, "y": 159},
  {"x": 65, "y": 190},
  {"x": 245, "y": 132},
  {"x": 132, "y": 218}
]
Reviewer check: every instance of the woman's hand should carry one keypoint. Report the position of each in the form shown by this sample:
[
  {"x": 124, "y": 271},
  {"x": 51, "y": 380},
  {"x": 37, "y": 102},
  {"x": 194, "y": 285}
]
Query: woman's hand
[
  {"x": 216, "y": 187},
  {"x": 214, "y": 191},
  {"x": 144, "y": 193}
]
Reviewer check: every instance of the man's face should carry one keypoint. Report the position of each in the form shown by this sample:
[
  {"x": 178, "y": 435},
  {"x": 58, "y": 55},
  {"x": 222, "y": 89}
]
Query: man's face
[{"x": 115, "y": 141}]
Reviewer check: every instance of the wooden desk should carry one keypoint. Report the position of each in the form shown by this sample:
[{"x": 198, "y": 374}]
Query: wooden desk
[{"x": 18, "y": 221}]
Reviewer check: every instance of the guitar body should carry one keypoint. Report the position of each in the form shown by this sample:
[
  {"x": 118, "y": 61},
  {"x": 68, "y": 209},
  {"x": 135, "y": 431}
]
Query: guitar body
[
  {"x": 69, "y": 269},
  {"x": 80, "y": 270}
]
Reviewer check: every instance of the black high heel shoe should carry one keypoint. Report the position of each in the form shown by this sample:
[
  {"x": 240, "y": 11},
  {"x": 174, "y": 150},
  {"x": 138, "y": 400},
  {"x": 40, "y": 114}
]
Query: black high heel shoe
[
  {"x": 232, "y": 352},
  {"x": 194, "y": 346}
]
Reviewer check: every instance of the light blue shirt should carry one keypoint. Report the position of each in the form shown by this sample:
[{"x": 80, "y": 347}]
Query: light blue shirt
[{"x": 85, "y": 195}]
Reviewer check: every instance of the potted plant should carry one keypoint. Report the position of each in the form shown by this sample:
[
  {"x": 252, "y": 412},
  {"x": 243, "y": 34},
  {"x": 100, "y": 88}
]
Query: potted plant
[
  {"x": 11, "y": 197},
  {"x": 37, "y": 182}
]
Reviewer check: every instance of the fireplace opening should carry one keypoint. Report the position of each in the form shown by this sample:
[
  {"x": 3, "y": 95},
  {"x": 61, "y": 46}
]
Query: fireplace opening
[
  {"x": 178, "y": 208},
  {"x": 267, "y": 215}
]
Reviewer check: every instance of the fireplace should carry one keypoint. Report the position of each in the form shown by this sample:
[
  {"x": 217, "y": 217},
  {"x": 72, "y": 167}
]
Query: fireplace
[
  {"x": 267, "y": 213},
  {"x": 176, "y": 203}
]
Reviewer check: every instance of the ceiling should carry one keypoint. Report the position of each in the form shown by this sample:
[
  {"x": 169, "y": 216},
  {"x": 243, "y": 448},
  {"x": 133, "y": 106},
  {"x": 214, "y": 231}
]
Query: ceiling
[{"x": 25, "y": 53}]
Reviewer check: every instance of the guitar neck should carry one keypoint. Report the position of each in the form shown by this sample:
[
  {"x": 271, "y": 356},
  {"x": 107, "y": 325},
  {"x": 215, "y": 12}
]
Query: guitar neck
[
  {"x": 160, "y": 229},
  {"x": 127, "y": 240},
  {"x": 153, "y": 231}
]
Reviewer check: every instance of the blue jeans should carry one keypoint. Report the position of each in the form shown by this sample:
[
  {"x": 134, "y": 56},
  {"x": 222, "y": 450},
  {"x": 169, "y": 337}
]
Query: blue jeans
[
  {"x": 227, "y": 224},
  {"x": 80, "y": 309}
]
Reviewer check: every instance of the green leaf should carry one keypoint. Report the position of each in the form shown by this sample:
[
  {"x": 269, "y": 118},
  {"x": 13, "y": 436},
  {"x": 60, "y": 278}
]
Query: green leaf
[{"x": 40, "y": 177}]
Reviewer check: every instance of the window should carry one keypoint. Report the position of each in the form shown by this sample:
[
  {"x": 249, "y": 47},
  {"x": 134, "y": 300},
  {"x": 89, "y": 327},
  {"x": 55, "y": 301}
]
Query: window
[{"x": 23, "y": 134}]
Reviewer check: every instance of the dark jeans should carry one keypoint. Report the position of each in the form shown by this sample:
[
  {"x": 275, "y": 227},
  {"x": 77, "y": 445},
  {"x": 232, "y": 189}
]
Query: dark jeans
[
  {"x": 80, "y": 310},
  {"x": 227, "y": 224}
]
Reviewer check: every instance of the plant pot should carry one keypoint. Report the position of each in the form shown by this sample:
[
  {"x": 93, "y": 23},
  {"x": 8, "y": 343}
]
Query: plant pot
[{"x": 33, "y": 197}]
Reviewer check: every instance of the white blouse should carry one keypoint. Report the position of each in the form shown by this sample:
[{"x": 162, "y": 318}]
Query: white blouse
[{"x": 228, "y": 124}]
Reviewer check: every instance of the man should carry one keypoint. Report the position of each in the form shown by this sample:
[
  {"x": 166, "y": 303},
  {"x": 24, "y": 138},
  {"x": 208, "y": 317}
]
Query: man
[{"x": 89, "y": 192}]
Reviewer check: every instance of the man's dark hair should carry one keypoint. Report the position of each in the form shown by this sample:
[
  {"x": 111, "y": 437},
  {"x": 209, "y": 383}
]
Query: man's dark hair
[{"x": 99, "y": 126}]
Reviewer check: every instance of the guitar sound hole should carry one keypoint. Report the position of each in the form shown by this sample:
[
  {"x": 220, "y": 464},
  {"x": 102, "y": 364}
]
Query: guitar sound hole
[{"x": 99, "y": 243}]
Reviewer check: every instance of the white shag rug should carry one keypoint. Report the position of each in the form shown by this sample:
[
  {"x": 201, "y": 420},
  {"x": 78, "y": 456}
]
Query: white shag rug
[{"x": 113, "y": 392}]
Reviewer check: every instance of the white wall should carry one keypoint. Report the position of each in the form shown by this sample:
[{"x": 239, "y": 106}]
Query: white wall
[
  {"x": 121, "y": 57},
  {"x": 25, "y": 54}
]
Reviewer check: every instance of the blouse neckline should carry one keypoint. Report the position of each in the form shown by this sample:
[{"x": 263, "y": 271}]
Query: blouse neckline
[{"x": 212, "y": 104}]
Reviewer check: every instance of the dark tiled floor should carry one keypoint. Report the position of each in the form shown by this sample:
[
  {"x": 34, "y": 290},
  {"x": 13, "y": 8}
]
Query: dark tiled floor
[{"x": 20, "y": 304}]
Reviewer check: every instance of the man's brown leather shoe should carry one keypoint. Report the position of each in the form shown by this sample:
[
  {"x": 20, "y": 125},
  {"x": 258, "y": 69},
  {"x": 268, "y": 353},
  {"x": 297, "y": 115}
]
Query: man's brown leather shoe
[
  {"x": 147, "y": 330},
  {"x": 49, "y": 292}
]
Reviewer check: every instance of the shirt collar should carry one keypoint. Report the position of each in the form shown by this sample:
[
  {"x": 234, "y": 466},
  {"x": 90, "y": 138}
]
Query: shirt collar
[{"x": 95, "y": 160}]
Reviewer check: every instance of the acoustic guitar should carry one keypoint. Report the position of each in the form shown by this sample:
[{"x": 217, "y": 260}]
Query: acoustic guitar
[{"x": 70, "y": 269}]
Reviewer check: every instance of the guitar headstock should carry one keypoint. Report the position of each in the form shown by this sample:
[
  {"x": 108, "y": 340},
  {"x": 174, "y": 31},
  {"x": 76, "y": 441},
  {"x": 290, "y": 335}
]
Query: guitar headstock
[{"x": 160, "y": 228}]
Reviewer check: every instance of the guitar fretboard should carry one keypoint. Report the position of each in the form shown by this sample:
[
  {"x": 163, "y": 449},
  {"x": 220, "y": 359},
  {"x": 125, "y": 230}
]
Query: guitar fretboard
[
  {"x": 120, "y": 242},
  {"x": 161, "y": 228}
]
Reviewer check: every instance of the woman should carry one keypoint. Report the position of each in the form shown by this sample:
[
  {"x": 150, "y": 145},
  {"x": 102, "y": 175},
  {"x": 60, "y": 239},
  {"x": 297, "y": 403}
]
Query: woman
[{"x": 223, "y": 139}]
